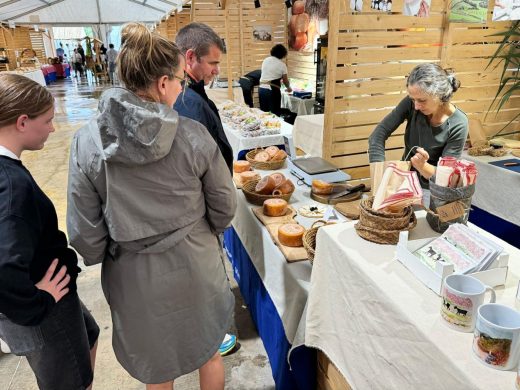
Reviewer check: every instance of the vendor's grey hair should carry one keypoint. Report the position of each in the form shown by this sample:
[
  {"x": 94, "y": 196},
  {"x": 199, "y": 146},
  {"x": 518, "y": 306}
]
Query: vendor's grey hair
[
  {"x": 434, "y": 81},
  {"x": 198, "y": 37}
]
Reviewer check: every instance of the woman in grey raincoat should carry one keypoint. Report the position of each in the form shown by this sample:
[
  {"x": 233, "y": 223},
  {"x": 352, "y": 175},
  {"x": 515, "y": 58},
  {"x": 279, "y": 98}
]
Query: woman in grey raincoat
[{"x": 148, "y": 194}]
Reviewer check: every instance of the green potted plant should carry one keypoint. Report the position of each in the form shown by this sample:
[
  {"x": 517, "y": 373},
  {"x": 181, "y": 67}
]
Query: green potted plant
[{"x": 508, "y": 53}]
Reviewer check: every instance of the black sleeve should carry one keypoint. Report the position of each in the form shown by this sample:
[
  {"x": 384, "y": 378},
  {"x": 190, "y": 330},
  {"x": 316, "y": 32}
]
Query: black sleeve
[{"x": 20, "y": 300}]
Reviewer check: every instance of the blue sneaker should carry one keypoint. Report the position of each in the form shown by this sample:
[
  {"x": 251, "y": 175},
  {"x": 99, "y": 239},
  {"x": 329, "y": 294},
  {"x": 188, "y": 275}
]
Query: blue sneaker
[{"x": 228, "y": 344}]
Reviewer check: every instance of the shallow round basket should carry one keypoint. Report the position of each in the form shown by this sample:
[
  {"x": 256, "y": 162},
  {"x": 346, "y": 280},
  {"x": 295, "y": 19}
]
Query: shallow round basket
[
  {"x": 309, "y": 239},
  {"x": 252, "y": 197},
  {"x": 267, "y": 165}
]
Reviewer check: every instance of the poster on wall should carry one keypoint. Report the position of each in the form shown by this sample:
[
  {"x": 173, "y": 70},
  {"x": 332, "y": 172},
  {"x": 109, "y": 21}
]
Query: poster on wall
[
  {"x": 506, "y": 10},
  {"x": 468, "y": 11},
  {"x": 419, "y": 8},
  {"x": 263, "y": 33},
  {"x": 356, "y": 5},
  {"x": 382, "y": 5},
  {"x": 308, "y": 20}
]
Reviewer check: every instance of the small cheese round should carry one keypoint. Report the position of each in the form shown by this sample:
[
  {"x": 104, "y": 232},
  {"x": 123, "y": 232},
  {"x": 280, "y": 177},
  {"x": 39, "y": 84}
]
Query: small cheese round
[
  {"x": 291, "y": 234},
  {"x": 271, "y": 150},
  {"x": 262, "y": 156},
  {"x": 280, "y": 155},
  {"x": 248, "y": 176},
  {"x": 286, "y": 187},
  {"x": 274, "y": 207},
  {"x": 241, "y": 166},
  {"x": 278, "y": 178},
  {"x": 321, "y": 187},
  {"x": 265, "y": 186}
]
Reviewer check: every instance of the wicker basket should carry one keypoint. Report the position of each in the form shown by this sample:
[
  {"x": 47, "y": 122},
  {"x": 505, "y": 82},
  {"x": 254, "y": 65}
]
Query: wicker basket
[
  {"x": 309, "y": 238},
  {"x": 383, "y": 227},
  {"x": 252, "y": 197},
  {"x": 267, "y": 165}
]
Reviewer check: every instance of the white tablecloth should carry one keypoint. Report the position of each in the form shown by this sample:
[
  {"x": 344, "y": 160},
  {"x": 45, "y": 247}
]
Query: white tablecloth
[
  {"x": 381, "y": 326},
  {"x": 298, "y": 105},
  {"x": 496, "y": 189},
  {"x": 308, "y": 134},
  {"x": 219, "y": 95},
  {"x": 239, "y": 143},
  {"x": 36, "y": 75},
  {"x": 286, "y": 283}
]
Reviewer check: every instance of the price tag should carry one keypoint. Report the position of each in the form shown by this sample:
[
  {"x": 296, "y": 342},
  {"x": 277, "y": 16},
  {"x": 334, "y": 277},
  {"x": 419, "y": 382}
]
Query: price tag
[{"x": 450, "y": 211}]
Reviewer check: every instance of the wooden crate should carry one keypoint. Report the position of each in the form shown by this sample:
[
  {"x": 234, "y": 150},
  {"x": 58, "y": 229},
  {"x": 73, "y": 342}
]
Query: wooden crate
[{"x": 328, "y": 376}]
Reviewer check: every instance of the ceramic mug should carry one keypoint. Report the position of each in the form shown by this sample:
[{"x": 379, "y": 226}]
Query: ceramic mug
[
  {"x": 496, "y": 341},
  {"x": 461, "y": 297}
]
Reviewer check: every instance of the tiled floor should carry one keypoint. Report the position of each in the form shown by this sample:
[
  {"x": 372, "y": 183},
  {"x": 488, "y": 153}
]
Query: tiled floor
[{"x": 247, "y": 369}]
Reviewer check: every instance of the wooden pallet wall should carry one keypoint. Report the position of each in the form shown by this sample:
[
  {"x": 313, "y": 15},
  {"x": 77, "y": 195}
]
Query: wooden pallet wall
[
  {"x": 174, "y": 23},
  {"x": 371, "y": 53}
]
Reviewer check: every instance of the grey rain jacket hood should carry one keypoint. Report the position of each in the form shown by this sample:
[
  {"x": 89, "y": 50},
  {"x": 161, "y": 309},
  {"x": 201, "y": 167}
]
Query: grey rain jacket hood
[
  {"x": 132, "y": 131},
  {"x": 141, "y": 174}
]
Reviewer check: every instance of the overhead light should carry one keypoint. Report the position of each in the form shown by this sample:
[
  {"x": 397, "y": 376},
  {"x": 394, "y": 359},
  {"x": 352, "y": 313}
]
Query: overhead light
[{"x": 257, "y": 4}]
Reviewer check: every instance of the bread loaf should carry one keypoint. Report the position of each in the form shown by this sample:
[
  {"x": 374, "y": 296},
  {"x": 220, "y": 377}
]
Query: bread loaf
[
  {"x": 274, "y": 207},
  {"x": 279, "y": 155},
  {"x": 262, "y": 156},
  {"x": 248, "y": 176},
  {"x": 271, "y": 150},
  {"x": 286, "y": 187},
  {"x": 321, "y": 187},
  {"x": 278, "y": 178},
  {"x": 291, "y": 234}
]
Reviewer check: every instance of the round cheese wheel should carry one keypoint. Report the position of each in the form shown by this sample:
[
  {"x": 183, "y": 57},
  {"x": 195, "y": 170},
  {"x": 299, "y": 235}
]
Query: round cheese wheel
[
  {"x": 248, "y": 176},
  {"x": 291, "y": 234},
  {"x": 241, "y": 166},
  {"x": 262, "y": 156},
  {"x": 278, "y": 178},
  {"x": 280, "y": 155},
  {"x": 274, "y": 207},
  {"x": 271, "y": 150},
  {"x": 321, "y": 187},
  {"x": 265, "y": 186},
  {"x": 286, "y": 187}
]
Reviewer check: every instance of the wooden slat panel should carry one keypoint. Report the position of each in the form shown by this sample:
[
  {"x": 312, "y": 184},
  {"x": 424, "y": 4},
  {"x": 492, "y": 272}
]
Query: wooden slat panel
[
  {"x": 360, "y": 132},
  {"x": 368, "y": 71},
  {"x": 389, "y": 21},
  {"x": 385, "y": 38},
  {"x": 358, "y": 172},
  {"x": 382, "y": 54},
  {"x": 356, "y": 160},
  {"x": 368, "y": 102},
  {"x": 340, "y": 148},
  {"x": 370, "y": 87},
  {"x": 358, "y": 118}
]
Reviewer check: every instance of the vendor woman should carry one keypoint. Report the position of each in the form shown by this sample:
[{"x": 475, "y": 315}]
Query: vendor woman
[
  {"x": 435, "y": 128},
  {"x": 274, "y": 71}
]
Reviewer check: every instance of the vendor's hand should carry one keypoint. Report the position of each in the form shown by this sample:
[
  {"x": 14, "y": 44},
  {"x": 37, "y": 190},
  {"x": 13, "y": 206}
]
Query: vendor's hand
[
  {"x": 288, "y": 90},
  {"x": 57, "y": 285},
  {"x": 420, "y": 158}
]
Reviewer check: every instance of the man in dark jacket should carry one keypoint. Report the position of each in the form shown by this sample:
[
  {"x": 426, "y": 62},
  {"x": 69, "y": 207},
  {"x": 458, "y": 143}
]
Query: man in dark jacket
[{"x": 203, "y": 49}]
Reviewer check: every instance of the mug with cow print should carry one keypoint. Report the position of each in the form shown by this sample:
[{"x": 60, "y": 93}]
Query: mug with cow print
[{"x": 461, "y": 297}]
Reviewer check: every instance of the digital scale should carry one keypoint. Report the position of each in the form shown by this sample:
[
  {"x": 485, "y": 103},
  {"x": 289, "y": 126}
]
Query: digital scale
[{"x": 308, "y": 169}]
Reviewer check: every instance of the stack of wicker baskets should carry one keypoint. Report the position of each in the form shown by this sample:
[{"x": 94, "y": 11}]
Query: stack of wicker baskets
[
  {"x": 383, "y": 227},
  {"x": 263, "y": 165}
]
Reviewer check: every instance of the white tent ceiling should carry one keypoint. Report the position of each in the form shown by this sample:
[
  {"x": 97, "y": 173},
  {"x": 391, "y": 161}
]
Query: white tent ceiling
[{"x": 85, "y": 12}]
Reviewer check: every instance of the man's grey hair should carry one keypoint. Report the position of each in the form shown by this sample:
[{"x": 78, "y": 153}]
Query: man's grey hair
[
  {"x": 198, "y": 37},
  {"x": 434, "y": 81}
]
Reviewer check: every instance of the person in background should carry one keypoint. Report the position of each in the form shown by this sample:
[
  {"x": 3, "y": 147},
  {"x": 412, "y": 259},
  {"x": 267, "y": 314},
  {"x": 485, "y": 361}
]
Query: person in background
[
  {"x": 41, "y": 315},
  {"x": 248, "y": 82},
  {"x": 148, "y": 194},
  {"x": 203, "y": 49},
  {"x": 60, "y": 52},
  {"x": 81, "y": 51},
  {"x": 435, "y": 128},
  {"x": 103, "y": 53},
  {"x": 111, "y": 59},
  {"x": 78, "y": 63},
  {"x": 274, "y": 71}
]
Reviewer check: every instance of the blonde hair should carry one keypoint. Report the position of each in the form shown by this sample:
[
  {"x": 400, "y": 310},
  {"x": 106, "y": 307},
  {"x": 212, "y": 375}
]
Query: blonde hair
[
  {"x": 145, "y": 57},
  {"x": 20, "y": 95}
]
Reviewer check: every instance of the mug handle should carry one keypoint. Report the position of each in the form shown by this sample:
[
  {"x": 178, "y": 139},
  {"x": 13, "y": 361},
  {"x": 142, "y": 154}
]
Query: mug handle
[{"x": 493, "y": 295}]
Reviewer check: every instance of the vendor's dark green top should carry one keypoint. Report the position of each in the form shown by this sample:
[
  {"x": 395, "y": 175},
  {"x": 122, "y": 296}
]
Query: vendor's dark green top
[{"x": 445, "y": 140}]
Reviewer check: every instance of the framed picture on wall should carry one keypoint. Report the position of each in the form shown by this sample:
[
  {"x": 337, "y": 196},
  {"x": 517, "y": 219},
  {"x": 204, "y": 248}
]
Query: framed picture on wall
[
  {"x": 506, "y": 10},
  {"x": 263, "y": 33},
  {"x": 419, "y": 8},
  {"x": 468, "y": 11}
]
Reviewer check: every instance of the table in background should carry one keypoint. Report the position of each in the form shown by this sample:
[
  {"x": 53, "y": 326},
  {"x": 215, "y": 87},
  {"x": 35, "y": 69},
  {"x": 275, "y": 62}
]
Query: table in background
[
  {"x": 241, "y": 145},
  {"x": 381, "y": 327},
  {"x": 36, "y": 75},
  {"x": 298, "y": 105},
  {"x": 308, "y": 134},
  {"x": 496, "y": 202},
  {"x": 274, "y": 290},
  {"x": 219, "y": 95}
]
